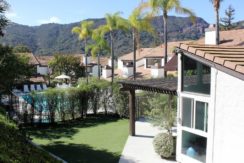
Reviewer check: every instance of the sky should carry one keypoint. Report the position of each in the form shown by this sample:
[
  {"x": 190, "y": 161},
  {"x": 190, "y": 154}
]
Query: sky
[{"x": 36, "y": 12}]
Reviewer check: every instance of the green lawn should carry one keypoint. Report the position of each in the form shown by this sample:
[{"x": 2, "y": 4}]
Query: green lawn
[{"x": 96, "y": 139}]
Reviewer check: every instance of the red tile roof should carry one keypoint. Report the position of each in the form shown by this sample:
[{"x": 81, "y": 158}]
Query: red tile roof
[{"x": 156, "y": 52}]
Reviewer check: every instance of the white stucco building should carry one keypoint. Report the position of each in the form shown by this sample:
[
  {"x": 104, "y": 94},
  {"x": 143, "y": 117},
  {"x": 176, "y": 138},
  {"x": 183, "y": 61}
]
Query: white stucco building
[
  {"x": 42, "y": 67},
  {"x": 146, "y": 59},
  {"x": 106, "y": 72},
  {"x": 210, "y": 104}
]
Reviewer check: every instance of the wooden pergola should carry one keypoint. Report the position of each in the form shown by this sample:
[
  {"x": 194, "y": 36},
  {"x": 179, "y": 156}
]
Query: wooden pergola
[{"x": 165, "y": 86}]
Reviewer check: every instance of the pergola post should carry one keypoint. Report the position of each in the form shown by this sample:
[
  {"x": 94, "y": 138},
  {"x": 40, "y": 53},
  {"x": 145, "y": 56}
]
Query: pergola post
[{"x": 132, "y": 110}]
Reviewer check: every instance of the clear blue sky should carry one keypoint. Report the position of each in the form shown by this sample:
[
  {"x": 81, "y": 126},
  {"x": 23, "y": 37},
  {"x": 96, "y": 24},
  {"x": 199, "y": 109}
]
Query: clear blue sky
[{"x": 36, "y": 12}]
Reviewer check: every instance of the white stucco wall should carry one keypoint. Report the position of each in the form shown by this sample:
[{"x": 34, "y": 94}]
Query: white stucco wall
[
  {"x": 88, "y": 60},
  {"x": 229, "y": 120},
  {"x": 110, "y": 62},
  {"x": 162, "y": 62},
  {"x": 140, "y": 62},
  {"x": 106, "y": 73},
  {"x": 120, "y": 64},
  {"x": 210, "y": 38},
  {"x": 145, "y": 63},
  {"x": 157, "y": 72},
  {"x": 127, "y": 72},
  {"x": 42, "y": 70}
]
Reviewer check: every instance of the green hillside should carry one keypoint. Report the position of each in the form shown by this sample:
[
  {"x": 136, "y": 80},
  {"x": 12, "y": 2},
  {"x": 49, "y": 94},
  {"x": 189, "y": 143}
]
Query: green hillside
[
  {"x": 15, "y": 148},
  {"x": 56, "y": 38}
]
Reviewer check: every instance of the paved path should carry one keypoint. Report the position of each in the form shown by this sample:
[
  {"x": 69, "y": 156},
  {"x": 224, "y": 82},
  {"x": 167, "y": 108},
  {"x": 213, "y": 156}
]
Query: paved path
[{"x": 139, "y": 149}]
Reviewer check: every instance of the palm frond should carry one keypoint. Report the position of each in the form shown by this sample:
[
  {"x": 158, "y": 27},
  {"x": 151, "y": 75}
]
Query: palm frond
[
  {"x": 190, "y": 13},
  {"x": 76, "y": 30},
  {"x": 84, "y": 30}
]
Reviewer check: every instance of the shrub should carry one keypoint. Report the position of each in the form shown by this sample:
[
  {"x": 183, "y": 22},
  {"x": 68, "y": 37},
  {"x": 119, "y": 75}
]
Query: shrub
[{"x": 164, "y": 145}]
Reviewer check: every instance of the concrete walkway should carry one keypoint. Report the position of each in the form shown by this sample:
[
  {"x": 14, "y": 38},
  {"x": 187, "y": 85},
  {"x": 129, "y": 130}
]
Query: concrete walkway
[{"x": 139, "y": 148}]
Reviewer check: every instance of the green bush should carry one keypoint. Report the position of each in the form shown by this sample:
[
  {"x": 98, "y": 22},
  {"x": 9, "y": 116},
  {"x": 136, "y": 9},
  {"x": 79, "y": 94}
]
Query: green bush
[{"x": 164, "y": 145}]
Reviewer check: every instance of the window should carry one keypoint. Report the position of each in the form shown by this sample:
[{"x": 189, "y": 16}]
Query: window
[
  {"x": 152, "y": 61},
  {"x": 187, "y": 110},
  {"x": 201, "y": 116},
  {"x": 128, "y": 63},
  {"x": 194, "y": 110},
  {"x": 194, "y": 146},
  {"x": 194, "y": 119},
  {"x": 195, "y": 76}
]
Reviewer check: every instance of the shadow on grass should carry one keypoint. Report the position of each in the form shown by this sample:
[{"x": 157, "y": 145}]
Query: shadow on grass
[
  {"x": 81, "y": 153},
  {"x": 69, "y": 128}
]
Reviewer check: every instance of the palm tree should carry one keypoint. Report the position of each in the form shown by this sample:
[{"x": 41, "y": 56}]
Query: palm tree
[
  {"x": 166, "y": 6},
  {"x": 216, "y": 4},
  {"x": 84, "y": 31},
  {"x": 138, "y": 23},
  {"x": 100, "y": 45},
  {"x": 113, "y": 22}
]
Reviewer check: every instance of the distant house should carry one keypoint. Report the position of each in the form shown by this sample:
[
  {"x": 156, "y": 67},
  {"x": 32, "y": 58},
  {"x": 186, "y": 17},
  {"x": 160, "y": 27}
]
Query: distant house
[
  {"x": 36, "y": 79},
  {"x": 149, "y": 61},
  {"x": 92, "y": 64},
  {"x": 42, "y": 67},
  {"x": 210, "y": 104}
]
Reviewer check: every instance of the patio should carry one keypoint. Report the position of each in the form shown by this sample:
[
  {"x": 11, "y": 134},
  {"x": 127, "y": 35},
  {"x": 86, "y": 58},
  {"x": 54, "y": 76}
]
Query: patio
[{"x": 139, "y": 148}]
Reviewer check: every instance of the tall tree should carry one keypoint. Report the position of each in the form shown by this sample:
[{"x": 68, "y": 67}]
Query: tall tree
[
  {"x": 165, "y": 6},
  {"x": 114, "y": 22},
  {"x": 13, "y": 68},
  {"x": 227, "y": 21},
  {"x": 216, "y": 4},
  {"x": 138, "y": 22},
  {"x": 68, "y": 64},
  {"x": 99, "y": 46},
  {"x": 84, "y": 31},
  {"x": 3, "y": 20}
]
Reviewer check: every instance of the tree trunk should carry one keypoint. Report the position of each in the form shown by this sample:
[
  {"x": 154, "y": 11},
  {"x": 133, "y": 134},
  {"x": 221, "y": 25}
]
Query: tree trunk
[
  {"x": 165, "y": 17},
  {"x": 112, "y": 55},
  {"x": 98, "y": 68},
  {"x": 86, "y": 63},
  {"x": 134, "y": 53},
  {"x": 217, "y": 26}
]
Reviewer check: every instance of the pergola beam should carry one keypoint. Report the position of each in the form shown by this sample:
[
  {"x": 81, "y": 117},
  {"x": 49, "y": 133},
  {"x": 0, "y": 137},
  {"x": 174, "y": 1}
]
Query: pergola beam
[
  {"x": 165, "y": 86},
  {"x": 132, "y": 110}
]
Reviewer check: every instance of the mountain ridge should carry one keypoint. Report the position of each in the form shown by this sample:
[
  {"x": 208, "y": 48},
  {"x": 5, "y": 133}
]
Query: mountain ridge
[{"x": 49, "y": 39}]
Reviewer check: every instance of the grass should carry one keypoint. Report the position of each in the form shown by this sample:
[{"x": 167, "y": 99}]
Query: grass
[
  {"x": 15, "y": 148},
  {"x": 95, "y": 139}
]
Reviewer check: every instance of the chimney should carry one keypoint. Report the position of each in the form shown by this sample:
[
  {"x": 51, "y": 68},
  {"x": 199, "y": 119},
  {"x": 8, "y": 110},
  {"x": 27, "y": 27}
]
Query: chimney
[{"x": 210, "y": 35}]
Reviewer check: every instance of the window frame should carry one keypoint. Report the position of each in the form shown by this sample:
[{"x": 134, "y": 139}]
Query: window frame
[
  {"x": 150, "y": 66},
  {"x": 205, "y": 99},
  {"x": 182, "y": 75},
  {"x": 200, "y": 98}
]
